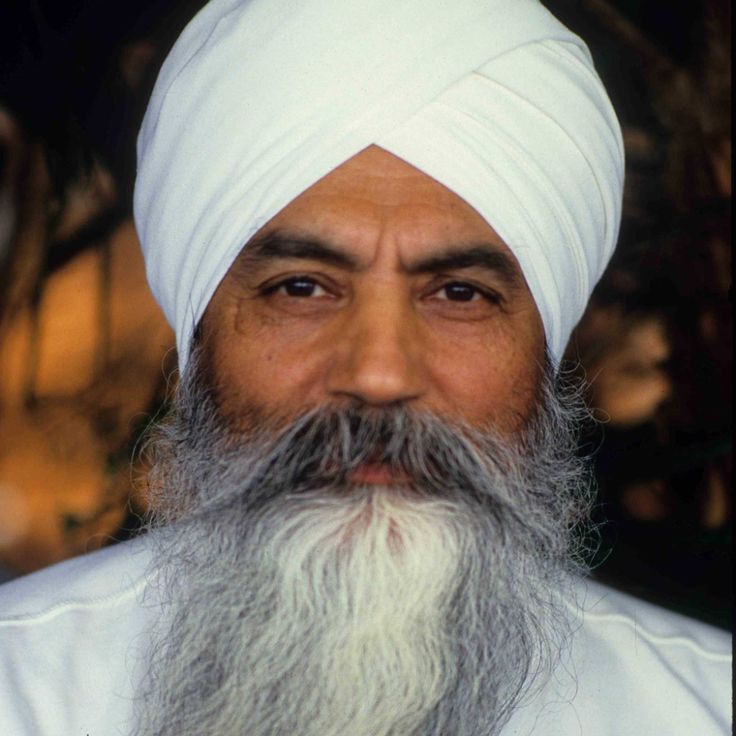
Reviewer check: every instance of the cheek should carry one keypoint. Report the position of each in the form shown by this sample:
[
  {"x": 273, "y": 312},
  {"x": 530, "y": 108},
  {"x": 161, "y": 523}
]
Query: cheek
[
  {"x": 255, "y": 365},
  {"x": 494, "y": 378}
]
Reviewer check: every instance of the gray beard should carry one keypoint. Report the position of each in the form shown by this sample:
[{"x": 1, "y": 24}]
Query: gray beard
[{"x": 298, "y": 603}]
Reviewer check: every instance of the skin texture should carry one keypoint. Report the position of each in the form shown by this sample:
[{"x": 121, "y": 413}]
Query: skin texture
[{"x": 349, "y": 295}]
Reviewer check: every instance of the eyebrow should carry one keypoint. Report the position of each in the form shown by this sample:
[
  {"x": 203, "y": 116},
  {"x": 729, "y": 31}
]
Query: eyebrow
[
  {"x": 277, "y": 244},
  {"x": 488, "y": 256},
  {"x": 484, "y": 255}
]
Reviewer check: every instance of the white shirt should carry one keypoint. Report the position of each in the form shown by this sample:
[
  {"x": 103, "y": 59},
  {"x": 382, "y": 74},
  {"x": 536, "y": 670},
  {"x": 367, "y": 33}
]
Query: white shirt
[{"x": 73, "y": 644}]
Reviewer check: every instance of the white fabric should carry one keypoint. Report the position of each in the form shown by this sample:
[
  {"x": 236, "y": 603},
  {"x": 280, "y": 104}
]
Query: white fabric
[
  {"x": 73, "y": 641},
  {"x": 495, "y": 99}
]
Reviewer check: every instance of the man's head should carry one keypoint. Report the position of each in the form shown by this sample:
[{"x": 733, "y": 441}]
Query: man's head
[{"x": 373, "y": 226}]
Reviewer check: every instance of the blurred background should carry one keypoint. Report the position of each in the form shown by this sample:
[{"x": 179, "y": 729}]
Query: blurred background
[{"x": 86, "y": 358}]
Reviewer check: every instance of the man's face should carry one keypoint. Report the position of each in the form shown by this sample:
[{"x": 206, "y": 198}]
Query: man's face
[{"x": 376, "y": 287}]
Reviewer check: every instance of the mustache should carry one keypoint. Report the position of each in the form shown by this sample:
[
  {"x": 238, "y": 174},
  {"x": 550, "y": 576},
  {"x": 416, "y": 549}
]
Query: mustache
[{"x": 320, "y": 449}]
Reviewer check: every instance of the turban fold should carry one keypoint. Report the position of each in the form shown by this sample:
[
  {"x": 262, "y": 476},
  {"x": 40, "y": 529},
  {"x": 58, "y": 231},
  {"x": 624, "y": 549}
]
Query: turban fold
[{"x": 495, "y": 99}]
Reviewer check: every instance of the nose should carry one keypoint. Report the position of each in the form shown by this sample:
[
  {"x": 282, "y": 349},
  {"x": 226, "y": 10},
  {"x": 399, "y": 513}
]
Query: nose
[{"x": 377, "y": 359}]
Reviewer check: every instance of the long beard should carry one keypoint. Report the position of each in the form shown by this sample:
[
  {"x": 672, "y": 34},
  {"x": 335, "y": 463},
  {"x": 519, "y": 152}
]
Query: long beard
[{"x": 299, "y": 603}]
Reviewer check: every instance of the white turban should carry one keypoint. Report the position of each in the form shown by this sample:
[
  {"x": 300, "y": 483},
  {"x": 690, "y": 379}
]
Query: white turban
[{"x": 495, "y": 99}]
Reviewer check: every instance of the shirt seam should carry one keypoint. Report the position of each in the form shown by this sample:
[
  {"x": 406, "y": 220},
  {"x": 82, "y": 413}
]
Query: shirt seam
[
  {"x": 66, "y": 606},
  {"x": 658, "y": 639}
]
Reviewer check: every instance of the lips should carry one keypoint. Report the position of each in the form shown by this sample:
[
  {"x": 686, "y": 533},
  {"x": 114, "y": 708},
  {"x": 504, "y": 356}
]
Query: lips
[{"x": 376, "y": 473}]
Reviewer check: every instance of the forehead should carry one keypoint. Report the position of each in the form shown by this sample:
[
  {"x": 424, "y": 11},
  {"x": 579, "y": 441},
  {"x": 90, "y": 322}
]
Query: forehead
[
  {"x": 389, "y": 178},
  {"x": 376, "y": 195}
]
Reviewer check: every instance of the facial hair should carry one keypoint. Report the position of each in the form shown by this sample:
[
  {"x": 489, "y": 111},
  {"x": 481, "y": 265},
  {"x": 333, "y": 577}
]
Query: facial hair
[{"x": 297, "y": 602}]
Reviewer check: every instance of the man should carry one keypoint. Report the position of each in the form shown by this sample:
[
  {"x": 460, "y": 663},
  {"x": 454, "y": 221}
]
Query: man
[{"x": 373, "y": 226}]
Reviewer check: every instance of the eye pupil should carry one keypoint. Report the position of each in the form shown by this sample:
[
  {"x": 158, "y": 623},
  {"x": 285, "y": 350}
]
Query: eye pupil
[
  {"x": 459, "y": 292},
  {"x": 299, "y": 287}
]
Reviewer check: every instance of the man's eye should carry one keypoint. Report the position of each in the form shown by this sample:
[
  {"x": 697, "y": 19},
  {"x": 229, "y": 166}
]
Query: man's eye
[
  {"x": 300, "y": 287},
  {"x": 460, "y": 292}
]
